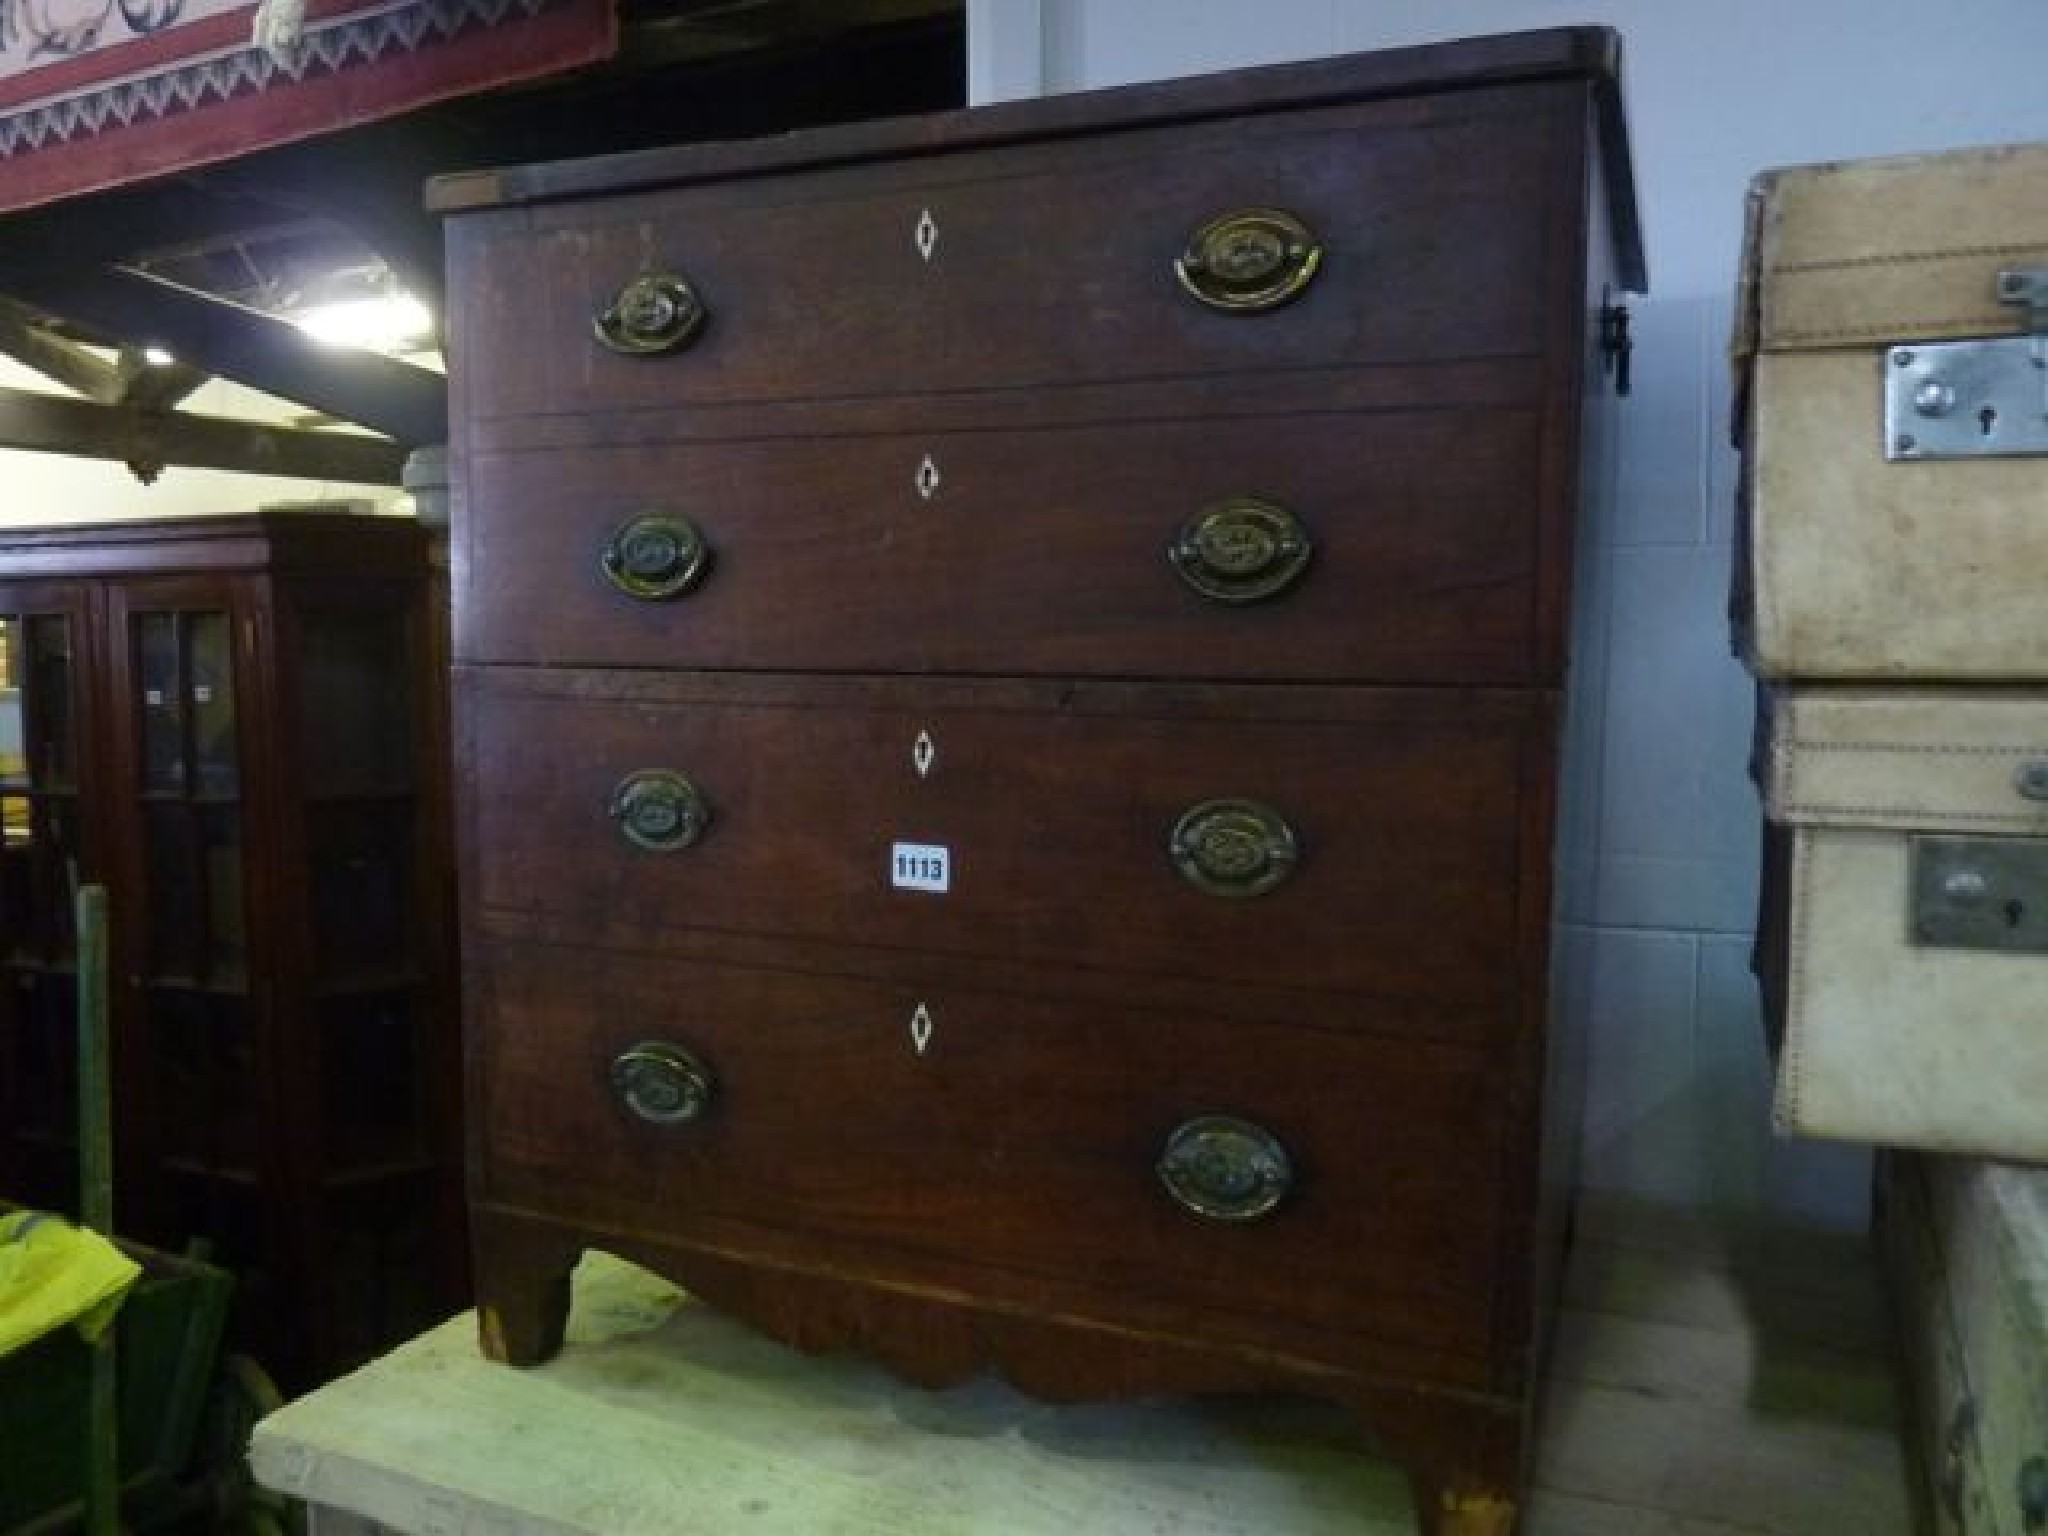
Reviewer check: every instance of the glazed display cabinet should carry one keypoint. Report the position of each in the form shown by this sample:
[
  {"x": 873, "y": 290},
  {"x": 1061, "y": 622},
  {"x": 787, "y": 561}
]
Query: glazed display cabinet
[{"x": 236, "y": 725}]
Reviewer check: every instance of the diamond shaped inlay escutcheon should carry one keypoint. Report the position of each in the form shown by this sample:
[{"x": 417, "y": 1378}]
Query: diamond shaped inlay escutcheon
[
  {"x": 927, "y": 478},
  {"x": 921, "y": 1029},
  {"x": 926, "y": 234},
  {"x": 923, "y": 753}
]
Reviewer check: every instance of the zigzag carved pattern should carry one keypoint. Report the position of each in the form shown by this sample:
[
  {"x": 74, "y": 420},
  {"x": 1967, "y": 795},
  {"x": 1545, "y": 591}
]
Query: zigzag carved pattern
[{"x": 347, "y": 44}]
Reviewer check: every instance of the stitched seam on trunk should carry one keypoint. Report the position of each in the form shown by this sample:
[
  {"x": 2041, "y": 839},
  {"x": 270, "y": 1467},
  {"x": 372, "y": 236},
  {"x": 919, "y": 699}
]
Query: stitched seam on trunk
[
  {"x": 1820, "y": 810},
  {"x": 1795, "y": 987},
  {"x": 1916, "y": 748},
  {"x": 1909, "y": 258}
]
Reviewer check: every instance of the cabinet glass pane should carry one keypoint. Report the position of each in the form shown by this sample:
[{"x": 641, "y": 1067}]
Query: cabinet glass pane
[
  {"x": 44, "y": 1061},
  {"x": 379, "y": 1266},
  {"x": 48, "y": 683},
  {"x": 162, "y": 701},
  {"x": 227, "y": 953},
  {"x": 355, "y": 672},
  {"x": 184, "y": 667},
  {"x": 196, "y": 927},
  {"x": 39, "y": 1091},
  {"x": 228, "y": 1215},
  {"x": 13, "y": 725},
  {"x": 38, "y": 869},
  {"x": 372, "y": 1107},
  {"x": 17, "y": 873},
  {"x": 202, "y": 1066},
  {"x": 176, "y": 891},
  {"x": 361, "y": 858},
  {"x": 215, "y": 759},
  {"x": 59, "y": 832}
]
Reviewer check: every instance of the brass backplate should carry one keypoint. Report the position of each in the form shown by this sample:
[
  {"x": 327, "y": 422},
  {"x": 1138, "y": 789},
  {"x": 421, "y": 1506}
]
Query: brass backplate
[
  {"x": 1980, "y": 893},
  {"x": 650, "y": 315},
  {"x": 1249, "y": 261}
]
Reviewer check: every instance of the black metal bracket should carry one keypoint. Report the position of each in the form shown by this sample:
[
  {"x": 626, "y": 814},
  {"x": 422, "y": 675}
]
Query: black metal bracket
[{"x": 1616, "y": 346}]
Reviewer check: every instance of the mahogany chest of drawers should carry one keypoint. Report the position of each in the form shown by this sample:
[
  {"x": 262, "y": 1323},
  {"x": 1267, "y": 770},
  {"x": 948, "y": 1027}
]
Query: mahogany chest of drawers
[{"x": 1008, "y": 669}]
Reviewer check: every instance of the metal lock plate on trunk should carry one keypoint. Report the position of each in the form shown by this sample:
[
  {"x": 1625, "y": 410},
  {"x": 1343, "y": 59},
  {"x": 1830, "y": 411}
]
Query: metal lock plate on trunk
[
  {"x": 1973, "y": 399},
  {"x": 1980, "y": 893},
  {"x": 1967, "y": 399}
]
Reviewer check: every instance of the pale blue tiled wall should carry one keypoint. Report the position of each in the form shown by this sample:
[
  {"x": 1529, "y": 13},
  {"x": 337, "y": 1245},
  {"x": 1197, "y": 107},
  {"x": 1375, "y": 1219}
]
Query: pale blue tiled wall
[{"x": 1662, "y": 868}]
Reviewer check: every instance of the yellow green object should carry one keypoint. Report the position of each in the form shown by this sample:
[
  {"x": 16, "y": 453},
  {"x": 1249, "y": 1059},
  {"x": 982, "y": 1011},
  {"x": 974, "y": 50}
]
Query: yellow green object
[
  {"x": 53, "y": 1274},
  {"x": 170, "y": 1325}
]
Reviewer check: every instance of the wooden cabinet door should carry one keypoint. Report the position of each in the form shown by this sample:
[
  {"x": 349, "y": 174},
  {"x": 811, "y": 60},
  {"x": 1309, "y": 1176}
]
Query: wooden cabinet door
[{"x": 47, "y": 847}]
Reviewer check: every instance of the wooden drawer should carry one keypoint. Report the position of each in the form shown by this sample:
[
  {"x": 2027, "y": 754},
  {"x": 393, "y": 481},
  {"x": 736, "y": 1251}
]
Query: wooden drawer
[
  {"x": 1053, "y": 804},
  {"x": 1035, "y": 552},
  {"x": 1013, "y": 1154},
  {"x": 1048, "y": 264}
]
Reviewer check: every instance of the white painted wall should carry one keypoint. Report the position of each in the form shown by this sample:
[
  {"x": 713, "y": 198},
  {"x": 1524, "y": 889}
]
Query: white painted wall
[
  {"x": 51, "y": 488},
  {"x": 1679, "y": 1089}
]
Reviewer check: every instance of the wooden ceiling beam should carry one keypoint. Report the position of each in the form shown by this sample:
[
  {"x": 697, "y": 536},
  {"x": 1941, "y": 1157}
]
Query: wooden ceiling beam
[
  {"x": 147, "y": 441},
  {"x": 24, "y": 338},
  {"x": 131, "y": 379},
  {"x": 152, "y": 386},
  {"x": 230, "y": 341}
]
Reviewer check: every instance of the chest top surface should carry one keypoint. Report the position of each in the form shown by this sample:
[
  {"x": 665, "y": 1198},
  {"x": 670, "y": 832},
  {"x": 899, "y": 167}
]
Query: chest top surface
[{"x": 1586, "y": 54}]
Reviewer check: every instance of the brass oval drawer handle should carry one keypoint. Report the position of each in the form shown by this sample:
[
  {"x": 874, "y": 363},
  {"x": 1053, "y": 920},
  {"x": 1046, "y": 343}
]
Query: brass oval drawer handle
[
  {"x": 1225, "y": 1169},
  {"x": 654, "y": 558},
  {"x": 658, "y": 810},
  {"x": 1243, "y": 550},
  {"x": 2031, "y": 779},
  {"x": 1233, "y": 847},
  {"x": 1249, "y": 261},
  {"x": 655, "y": 313},
  {"x": 662, "y": 1083}
]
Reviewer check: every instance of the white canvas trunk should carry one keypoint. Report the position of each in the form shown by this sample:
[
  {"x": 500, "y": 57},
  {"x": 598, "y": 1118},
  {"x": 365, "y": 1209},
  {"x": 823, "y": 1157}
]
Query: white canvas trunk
[
  {"x": 1855, "y": 566},
  {"x": 1966, "y": 1243},
  {"x": 1904, "y": 938}
]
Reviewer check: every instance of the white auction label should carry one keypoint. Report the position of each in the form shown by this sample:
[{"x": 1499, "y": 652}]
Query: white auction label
[{"x": 920, "y": 867}]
